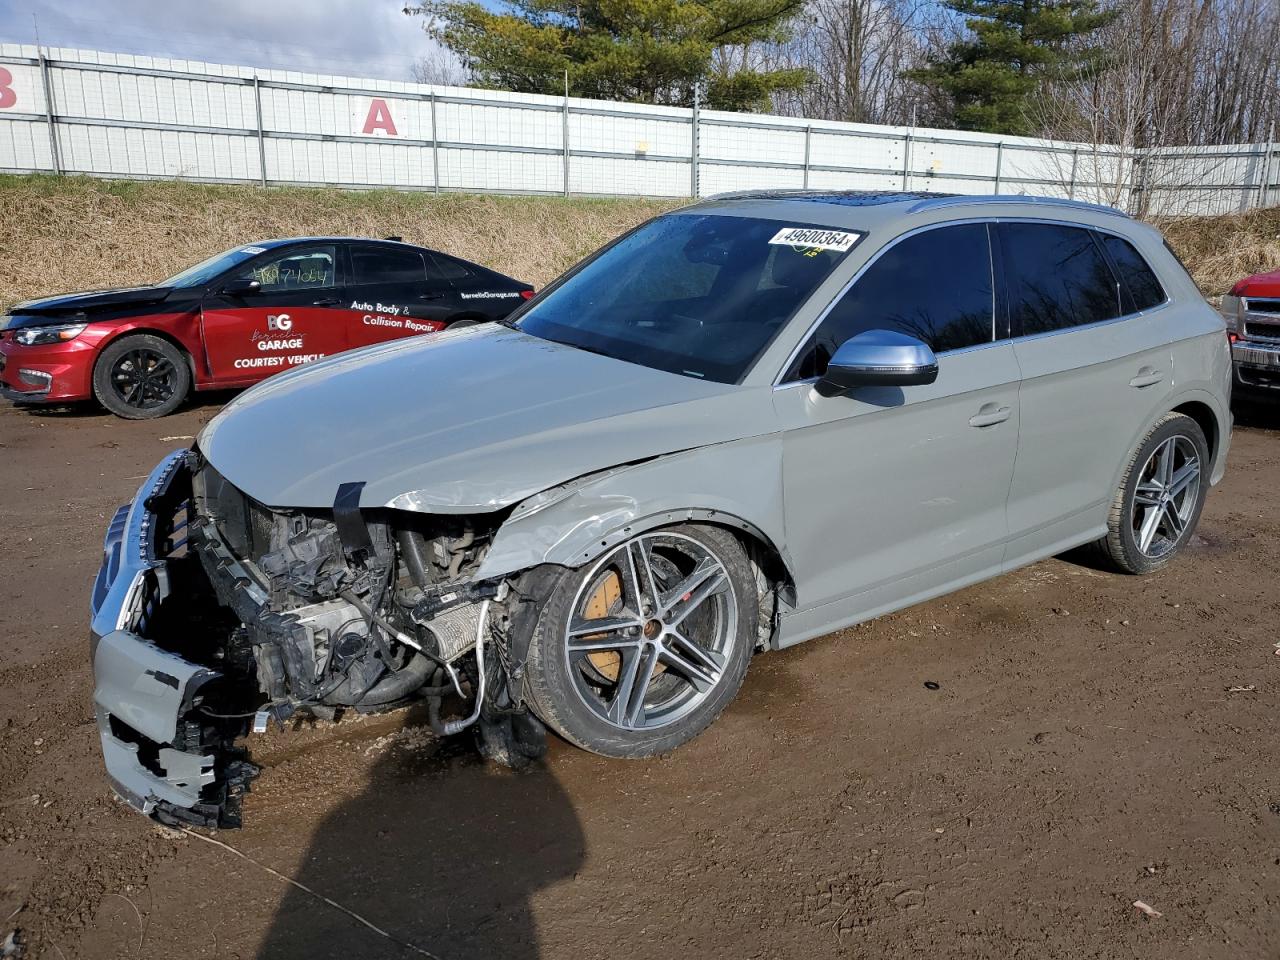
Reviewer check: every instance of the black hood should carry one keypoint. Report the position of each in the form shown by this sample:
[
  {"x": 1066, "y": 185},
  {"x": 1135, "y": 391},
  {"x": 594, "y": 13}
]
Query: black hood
[{"x": 71, "y": 305}]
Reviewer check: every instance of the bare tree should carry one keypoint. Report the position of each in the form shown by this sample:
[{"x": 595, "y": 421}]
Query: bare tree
[
  {"x": 1183, "y": 78},
  {"x": 858, "y": 51},
  {"x": 441, "y": 68}
]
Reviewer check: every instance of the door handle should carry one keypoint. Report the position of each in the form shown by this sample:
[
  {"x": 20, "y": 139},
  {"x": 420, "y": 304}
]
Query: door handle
[
  {"x": 326, "y": 302},
  {"x": 989, "y": 415},
  {"x": 1146, "y": 377},
  {"x": 430, "y": 296}
]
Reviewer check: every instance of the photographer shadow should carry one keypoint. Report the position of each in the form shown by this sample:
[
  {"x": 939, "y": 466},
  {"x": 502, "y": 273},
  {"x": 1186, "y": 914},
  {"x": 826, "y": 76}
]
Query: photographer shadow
[{"x": 443, "y": 852}]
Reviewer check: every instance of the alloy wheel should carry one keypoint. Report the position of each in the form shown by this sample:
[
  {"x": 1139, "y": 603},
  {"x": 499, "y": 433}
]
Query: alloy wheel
[
  {"x": 651, "y": 630},
  {"x": 143, "y": 378},
  {"x": 1165, "y": 497}
]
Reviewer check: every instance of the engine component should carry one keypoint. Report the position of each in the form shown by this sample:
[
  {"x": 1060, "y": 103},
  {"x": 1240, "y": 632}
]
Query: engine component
[{"x": 455, "y": 630}]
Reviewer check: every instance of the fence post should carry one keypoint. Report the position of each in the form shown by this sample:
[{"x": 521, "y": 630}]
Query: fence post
[
  {"x": 564, "y": 136},
  {"x": 694, "y": 146},
  {"x": 1265, "y": 187},
  {"x": 1075, "y": 160},
  {"x": 999, "y": 164},
  {"x": 906, "y": 159},
  {"x": 54, "y": 153},
  {"x": 262, "y": 144},
  {"x": 808, "y": 137},
  {"x": 435, "y": 147}
]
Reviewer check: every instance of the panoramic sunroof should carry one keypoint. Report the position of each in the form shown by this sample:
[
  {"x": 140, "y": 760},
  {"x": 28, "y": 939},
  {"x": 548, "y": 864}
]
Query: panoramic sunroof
[{"x": 843, "y": 198}]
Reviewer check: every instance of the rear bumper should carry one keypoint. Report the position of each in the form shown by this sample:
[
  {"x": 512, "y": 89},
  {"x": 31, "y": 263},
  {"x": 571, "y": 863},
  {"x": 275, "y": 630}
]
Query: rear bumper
[{"x": 160, "y": 758}]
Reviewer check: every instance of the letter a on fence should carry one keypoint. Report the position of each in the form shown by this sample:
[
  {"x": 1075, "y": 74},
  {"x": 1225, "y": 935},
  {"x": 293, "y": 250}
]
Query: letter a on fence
[{"x": 379, "y": 118}]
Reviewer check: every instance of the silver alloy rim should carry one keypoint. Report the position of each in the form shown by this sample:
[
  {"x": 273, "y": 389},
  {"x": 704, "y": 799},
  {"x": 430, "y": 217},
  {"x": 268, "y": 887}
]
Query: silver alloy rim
[
  {"x": 658, "y": 648},
  {"x": 1166, "y": 495}
]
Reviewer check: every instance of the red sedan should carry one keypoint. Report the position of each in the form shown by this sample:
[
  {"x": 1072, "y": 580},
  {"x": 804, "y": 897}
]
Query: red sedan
[{"x": 237, "y": 318}]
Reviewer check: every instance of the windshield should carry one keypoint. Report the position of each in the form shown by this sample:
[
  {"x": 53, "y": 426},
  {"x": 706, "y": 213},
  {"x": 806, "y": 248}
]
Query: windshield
[
  {"x": 206, "y": 270},
  {"x": 692, "y": 294}
]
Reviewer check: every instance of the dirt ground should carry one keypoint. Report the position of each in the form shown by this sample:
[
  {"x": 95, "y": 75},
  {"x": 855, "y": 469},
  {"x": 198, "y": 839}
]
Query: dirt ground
[{"x": 1094, "y": 740}]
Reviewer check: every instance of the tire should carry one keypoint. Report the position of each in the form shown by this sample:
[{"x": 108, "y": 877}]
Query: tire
[
  {"x": 697, "y": 643},
  {"x": 1143, "y": 490},
  {"x": 140, "y": 377}
]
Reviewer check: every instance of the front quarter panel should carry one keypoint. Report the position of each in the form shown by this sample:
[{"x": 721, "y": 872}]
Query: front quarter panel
[{"x": 736, "y": 484}]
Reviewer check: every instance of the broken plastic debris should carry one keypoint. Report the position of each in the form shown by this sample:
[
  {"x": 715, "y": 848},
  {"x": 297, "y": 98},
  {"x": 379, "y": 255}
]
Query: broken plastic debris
[
  {"x": 260, "y": 720},
  {"x": 931, "y": 685},
  {"x": 1147, "y": 909}
]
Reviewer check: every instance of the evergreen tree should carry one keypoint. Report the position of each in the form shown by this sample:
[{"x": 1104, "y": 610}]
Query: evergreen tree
[
  {"x": 1015, "y": 46},
  {"x": 650, "y": 51}
]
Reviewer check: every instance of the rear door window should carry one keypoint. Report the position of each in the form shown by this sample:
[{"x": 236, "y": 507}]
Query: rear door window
[
  {"x": 1139, "y": 279},
  {"x": 935, "y": 286},
  {"x": 386, "y": 266},
  {"x": 1057, "y": 278}
]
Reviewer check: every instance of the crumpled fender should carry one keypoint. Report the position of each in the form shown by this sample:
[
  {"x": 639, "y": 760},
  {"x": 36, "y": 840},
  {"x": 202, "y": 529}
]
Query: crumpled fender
[{"x": 736, "y": 484}]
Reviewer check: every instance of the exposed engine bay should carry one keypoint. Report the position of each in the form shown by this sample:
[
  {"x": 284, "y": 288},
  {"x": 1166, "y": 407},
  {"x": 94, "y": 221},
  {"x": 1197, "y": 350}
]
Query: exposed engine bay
[{"x": 317, "y": 612}]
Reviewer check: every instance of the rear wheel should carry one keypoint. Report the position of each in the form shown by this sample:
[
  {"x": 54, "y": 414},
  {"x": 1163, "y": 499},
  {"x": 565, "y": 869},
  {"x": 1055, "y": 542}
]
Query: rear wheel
[
  {"x": 639, "y": 652},
  {"x": 1160, "y": 498},
  {"x": 140, "y": 377}
]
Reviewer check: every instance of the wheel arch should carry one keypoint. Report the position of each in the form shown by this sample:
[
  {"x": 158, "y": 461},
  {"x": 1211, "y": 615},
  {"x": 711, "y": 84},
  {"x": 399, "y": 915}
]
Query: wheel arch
[
  {"x": 159, "y": 334},
  {"x": 1206, "y": 410},
  {"x": 575, "y": 523},
  {"x": 1203, "y": 414}
]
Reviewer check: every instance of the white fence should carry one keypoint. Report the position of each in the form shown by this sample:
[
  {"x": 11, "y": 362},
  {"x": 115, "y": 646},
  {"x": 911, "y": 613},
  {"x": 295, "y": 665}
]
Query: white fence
[{"x": 117, "y": 115}]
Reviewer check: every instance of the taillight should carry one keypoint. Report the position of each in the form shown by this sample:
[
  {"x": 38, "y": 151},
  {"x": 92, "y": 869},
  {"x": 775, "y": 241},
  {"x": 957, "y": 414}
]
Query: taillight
[{"x": 526, "y": 294}]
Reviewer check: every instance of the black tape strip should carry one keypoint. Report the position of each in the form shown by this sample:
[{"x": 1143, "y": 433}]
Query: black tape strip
[{"x": 346, "y": 515}]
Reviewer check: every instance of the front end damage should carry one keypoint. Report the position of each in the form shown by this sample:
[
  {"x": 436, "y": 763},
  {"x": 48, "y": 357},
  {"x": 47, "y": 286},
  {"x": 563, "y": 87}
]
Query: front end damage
[{"x": 214, "y": 615}]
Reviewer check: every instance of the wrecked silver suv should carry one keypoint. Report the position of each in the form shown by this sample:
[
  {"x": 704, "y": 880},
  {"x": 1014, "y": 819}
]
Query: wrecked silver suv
[{"x": 741, "y": 425}]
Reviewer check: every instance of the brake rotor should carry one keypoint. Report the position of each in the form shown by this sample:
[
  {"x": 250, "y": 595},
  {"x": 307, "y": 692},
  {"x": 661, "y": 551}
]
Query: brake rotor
[{"x": 604, "y": 600}]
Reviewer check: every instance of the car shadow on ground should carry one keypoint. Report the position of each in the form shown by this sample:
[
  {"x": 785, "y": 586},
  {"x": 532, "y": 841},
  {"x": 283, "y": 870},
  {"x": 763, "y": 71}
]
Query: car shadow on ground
[
  {"x": 204, "y": 400},
  {"x": 440, "y": 850}
]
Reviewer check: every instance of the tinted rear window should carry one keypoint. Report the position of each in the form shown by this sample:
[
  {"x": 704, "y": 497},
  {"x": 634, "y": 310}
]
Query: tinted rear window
[
  {"x": 379, "y": 265},
  {"x": 1137, "y": 276},
  {"x": 440, "y": 267},
  {"x": 1057, "y": 278},
  {"x": 934, "y": 286}
]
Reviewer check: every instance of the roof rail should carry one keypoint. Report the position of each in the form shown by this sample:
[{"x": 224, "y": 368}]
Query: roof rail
[{"x": 933, "y": 203}]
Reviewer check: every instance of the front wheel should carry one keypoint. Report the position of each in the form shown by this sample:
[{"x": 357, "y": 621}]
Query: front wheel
[
  {"x": 140, "y": 377},
  {"x": 638, "y": 652},
  {"x": 1160, "y": 498}
]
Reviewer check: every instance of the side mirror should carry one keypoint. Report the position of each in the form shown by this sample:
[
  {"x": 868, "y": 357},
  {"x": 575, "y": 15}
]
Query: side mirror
[
  {"x": 240, "y": 286},
  {"x": 879, "y": 358}
]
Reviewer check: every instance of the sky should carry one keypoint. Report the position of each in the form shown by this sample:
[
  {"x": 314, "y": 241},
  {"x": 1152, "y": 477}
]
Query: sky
[{"x": 360, "y": 38}]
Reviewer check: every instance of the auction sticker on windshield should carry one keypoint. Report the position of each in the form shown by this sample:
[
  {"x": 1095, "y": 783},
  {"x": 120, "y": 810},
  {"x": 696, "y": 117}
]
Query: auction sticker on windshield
[{"x": 814, "y": 238}]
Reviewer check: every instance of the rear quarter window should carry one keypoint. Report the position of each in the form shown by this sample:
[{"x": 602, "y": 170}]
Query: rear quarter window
[{"x": 1135, "y": 273}]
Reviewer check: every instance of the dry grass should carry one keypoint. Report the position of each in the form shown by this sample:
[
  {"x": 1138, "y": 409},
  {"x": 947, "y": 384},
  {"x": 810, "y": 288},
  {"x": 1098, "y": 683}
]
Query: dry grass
[
  {"x": 1221, "y": 250},
  {"x": 77, "y": 233}
]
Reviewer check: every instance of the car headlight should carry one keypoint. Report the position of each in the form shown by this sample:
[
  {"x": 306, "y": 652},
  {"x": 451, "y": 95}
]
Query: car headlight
[{"x": 58, "y": 333}]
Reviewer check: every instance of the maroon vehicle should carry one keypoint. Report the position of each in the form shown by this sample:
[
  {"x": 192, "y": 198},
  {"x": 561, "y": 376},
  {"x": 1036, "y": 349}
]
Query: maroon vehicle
[
  {"x": 237, "y": 318},
  {"x": 1252, "y": 312}
]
